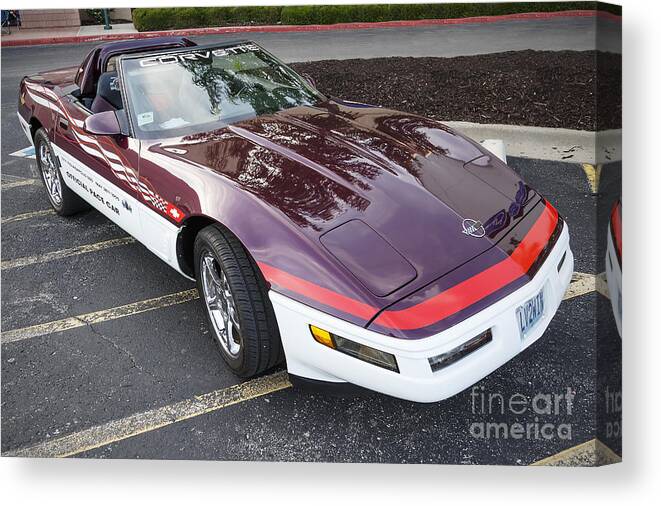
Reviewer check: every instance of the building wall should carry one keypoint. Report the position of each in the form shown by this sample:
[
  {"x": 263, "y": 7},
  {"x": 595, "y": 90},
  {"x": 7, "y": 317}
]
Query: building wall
[
  {"x": 49, "y": 18},
  {"x": 124, "y": 14}
]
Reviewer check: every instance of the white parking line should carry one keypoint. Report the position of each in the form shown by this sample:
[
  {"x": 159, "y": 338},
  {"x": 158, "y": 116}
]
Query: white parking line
[
  {"x": 27, "y": 216},
  {"x": 64, "y": 253},
  {"x": 11, "y": 336},
  {"x": 146, "y": 421}
]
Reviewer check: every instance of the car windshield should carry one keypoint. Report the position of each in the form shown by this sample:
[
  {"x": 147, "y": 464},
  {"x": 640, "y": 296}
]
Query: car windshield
[{"x": 185, "y": 92}]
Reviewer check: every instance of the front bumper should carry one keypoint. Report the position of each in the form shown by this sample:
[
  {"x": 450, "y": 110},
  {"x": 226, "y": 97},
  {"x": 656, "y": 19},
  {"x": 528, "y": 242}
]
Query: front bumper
[{"x": 416, "y": 381}]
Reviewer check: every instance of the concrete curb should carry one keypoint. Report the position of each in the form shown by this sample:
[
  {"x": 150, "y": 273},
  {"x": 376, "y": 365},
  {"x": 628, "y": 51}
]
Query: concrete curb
[
  {"x": 307, "y": 28},
  {"x": 557, "y": 144}
]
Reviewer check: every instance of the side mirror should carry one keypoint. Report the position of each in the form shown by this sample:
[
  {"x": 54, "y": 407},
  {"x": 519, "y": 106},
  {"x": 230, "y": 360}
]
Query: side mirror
[
  {"x": 309, "y": 80},
  {"x": 106, "y": 123}
]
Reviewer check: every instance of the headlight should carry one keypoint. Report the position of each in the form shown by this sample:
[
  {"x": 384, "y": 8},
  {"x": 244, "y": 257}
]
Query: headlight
[{"x": 354, "y": 349}]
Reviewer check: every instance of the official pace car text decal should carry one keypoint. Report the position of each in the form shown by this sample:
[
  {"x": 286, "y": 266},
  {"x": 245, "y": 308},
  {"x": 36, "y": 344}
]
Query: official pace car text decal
[{"x": 100, "y": 148}]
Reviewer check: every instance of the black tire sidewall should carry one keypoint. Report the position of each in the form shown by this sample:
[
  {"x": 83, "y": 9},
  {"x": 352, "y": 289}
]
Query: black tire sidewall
[{"x": 202, "y": 246}]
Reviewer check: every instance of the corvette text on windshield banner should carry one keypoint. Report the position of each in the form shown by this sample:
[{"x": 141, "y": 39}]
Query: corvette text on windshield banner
[
  {"x": 444, "y": 304},
  {"x": 197, "y": 55}
]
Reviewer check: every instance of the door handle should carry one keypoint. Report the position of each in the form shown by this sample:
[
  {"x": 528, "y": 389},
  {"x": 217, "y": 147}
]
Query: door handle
[{"x": 64, "y": 124}]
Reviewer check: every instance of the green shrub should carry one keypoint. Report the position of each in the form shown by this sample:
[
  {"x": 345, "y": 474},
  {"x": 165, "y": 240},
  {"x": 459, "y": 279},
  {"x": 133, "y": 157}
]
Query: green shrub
[
  {"x": 199, "y": 17},
  {"x": 169, "y": 18},
  {"x": 329, "y": 14},
  {"x": 96, "y": 15}
]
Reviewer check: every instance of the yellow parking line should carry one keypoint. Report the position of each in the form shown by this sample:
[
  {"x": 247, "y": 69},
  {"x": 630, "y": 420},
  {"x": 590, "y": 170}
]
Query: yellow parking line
[
  {"x": 22, "y": 182},
  {"x": 146, "y": 421},
  {"x": 601, "y": 285},
  {"x": 581, "y": 284},
  {"x": 64, "y": 253},
  {"x": 593, "y": 173},
  {"x": 27, "y": 216},
  {"x": 104, "y": 315},
  {"x": 590, "y": 453}
]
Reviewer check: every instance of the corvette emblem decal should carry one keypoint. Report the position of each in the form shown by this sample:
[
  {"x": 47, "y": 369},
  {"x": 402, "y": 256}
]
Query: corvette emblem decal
[{"x": 474, "y": 228}]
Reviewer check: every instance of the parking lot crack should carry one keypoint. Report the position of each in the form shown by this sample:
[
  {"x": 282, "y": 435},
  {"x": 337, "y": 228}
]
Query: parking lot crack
[{"x": 118, "y": 347}]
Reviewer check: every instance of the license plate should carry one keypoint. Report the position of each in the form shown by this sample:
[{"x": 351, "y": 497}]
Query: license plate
[{"x": 529, "y": 314}]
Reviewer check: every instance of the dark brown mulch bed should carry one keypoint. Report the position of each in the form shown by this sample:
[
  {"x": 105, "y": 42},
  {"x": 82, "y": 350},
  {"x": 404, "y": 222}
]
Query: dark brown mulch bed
[{"x": 540, "y": 88}]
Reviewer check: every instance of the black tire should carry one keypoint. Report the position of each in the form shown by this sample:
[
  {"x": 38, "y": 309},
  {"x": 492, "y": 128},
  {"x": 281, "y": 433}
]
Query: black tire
[
  {"x": 69, "y": 203},
  {"x": 259, "y": 339}
]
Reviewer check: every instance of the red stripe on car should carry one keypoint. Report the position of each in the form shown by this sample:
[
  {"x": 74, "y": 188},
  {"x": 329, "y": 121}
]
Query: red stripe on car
[
  {"x": 616, "y": 227},
  {"x": 446, "y": 303},
  {"x": 477, "y": 287},
  {"x": 315, "y": 292}
]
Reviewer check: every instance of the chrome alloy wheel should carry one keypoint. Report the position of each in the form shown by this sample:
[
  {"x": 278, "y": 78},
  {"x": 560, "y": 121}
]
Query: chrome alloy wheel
[
  {"x": 50, "y": 173},
  {"x": 220, "y": 304}
]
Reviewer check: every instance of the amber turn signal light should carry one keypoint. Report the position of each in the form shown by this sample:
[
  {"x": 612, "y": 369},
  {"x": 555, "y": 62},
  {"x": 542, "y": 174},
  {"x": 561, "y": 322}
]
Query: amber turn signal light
[{"x": 322, "y": 336}]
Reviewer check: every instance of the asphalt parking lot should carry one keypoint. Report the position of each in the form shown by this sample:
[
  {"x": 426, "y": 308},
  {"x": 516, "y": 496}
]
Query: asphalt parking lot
[{"x": 105, "y": 352}]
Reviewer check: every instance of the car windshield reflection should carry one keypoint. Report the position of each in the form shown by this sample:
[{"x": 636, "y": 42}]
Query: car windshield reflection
[{"x": 181, "y": 93}]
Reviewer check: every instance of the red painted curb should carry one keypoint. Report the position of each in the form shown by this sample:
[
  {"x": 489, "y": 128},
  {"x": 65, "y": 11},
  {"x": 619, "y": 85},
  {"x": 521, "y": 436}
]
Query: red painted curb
[{"x": 308, "y": 28}]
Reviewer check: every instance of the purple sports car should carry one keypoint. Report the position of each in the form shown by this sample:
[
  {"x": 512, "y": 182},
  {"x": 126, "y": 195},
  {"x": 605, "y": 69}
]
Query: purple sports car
[{"x": 360, "y": 245}]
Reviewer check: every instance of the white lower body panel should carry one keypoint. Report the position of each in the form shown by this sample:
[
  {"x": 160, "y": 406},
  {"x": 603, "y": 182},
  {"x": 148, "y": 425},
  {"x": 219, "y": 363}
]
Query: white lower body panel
[
  {"x": 416, "y": 381},
  {"x": 146, "y": 225}
]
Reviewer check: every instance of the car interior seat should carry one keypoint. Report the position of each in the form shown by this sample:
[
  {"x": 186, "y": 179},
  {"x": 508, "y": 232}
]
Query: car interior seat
[{"x": 108, "y": 96}]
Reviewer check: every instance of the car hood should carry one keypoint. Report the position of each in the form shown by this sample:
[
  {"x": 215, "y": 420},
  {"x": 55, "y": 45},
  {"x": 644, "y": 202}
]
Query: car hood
[{"x": 417, "y": 185}]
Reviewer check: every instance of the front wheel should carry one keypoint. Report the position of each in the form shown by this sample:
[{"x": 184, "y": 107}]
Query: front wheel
[
  {"x": 235, "y": 299},
  {"x": 64, "y": 201}
]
